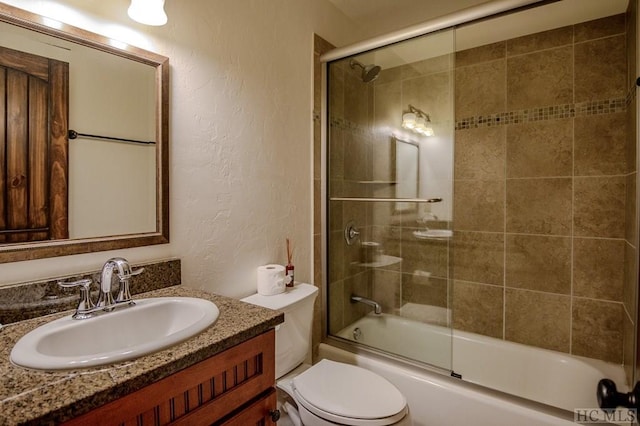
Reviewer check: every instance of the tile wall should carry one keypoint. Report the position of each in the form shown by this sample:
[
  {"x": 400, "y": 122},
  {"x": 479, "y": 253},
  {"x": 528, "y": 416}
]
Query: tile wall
[
  {"x": 544, "y": 247},
  {"x": 544, "y": 199}
]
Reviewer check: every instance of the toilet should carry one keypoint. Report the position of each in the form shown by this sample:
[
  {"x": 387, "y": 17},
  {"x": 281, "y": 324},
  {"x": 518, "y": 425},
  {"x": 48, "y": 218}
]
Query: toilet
[{"x": 329, "y": 392}]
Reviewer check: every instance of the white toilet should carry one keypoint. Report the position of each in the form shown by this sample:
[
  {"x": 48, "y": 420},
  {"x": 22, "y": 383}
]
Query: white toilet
[{"x": 329, "y": 392}]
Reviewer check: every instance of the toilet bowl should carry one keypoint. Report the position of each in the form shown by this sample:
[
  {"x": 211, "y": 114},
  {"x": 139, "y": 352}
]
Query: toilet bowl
[{"x": 329, "y": 392}]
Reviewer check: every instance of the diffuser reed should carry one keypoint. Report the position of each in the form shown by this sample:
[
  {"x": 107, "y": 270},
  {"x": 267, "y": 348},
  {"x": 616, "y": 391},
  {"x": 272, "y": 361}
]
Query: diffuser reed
[{"x": 289, "y": 268}]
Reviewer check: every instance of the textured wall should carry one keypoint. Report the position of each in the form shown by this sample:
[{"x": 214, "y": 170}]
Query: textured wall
[{"x": 241, "y": 133}]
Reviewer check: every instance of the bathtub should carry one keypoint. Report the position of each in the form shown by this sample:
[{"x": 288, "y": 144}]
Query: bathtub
[{"x": 501, "y": 380}]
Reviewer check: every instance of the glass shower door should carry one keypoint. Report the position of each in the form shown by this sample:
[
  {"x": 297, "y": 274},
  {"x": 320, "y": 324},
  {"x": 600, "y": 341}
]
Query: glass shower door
[{"x": 390, "y": 190}]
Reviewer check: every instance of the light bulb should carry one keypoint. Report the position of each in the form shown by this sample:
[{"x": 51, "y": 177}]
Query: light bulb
[
  {"x": 421, "y": 125},
  {"x": 409, "y": 120},
  {"x": 148, "y": 12}
]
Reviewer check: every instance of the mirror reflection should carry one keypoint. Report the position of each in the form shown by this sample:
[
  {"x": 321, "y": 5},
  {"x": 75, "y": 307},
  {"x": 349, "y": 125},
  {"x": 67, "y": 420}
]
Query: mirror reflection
[{"x": 107, "y": 182}]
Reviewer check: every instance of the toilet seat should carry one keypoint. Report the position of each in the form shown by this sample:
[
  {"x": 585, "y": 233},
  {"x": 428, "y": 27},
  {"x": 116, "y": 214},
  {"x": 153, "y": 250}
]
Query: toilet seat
[{"x": 349, "y": 395}]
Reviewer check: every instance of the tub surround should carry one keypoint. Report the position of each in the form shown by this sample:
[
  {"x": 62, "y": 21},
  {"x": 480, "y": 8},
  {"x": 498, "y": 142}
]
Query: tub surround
[
  {"x": 38, "y": 397},
  {"x": 24, "y": 301}
]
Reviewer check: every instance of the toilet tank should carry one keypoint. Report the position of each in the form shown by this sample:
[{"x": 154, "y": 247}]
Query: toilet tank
[{"x": 293, "y": 337}]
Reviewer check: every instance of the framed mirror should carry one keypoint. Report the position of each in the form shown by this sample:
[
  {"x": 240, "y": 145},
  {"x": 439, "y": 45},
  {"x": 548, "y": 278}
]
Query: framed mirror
[
  {"x": 407, "y": 172},
  {"x": 84, "y": 154}
]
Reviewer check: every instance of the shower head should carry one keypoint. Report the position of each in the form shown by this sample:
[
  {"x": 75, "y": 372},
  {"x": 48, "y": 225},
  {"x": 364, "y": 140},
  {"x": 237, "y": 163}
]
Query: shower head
[{"x": 369, "y": 72}]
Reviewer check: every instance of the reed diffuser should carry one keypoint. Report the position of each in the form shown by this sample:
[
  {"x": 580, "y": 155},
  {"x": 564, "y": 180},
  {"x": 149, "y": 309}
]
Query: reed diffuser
[{"x": 289, "y": 268}]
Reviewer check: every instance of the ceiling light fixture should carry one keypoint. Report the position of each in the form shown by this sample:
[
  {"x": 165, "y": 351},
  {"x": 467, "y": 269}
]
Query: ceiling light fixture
[
  {"x": 417, "y": 121},
  {"x": 148, "y": 12}
]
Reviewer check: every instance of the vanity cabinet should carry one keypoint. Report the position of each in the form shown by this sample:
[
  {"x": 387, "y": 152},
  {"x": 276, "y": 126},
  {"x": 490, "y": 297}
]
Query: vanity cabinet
[{"x": 234, "y": 387}]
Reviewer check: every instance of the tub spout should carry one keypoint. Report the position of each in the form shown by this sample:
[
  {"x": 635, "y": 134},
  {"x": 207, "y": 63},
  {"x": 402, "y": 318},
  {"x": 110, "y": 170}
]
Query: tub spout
[{"x": 377, "y": 309}]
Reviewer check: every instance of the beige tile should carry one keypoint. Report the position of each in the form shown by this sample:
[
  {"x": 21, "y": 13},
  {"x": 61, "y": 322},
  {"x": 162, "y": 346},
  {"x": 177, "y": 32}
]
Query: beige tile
[
  {"x": 478, "y": 257},
  {"x": 599, "y": 28},
  {"x": 317, "y": 260},
  {"x": 388, "y": 105},
  {"x": 628, "y": 347},
  {"x": 480, "y": 153},
  {"x": 538, "y": 263},
  {"x": 631, "y": 147},
  {"x": 600, "y": 145},
  {"x": 424, "y": 290},
  {"x": 539, "y": 206},
  {"x": 540, "y": 79},
  {"x": 631, "y": 226},
  {"x": 540, "y": 149},
  {"x": 430, "y": 93},
  {"x": 630, "y": 288},
  {"x": 597, "y": 329},
  {"x": 336, "y": 153},
  {"x": 429, "y": 256},
  {"x": 538, "y": 319},
  {"x": 480, "y": 89},
  {"x": 317, "y": 150},
  {"x": 388, "y": 75},
  {"x": 478, "y": 205},
  {"x": 478, "y": 308},
  {"x": 486, "y": 53},
  {"x": 336, "y": 257},
  {"x": 540, "y": 41},
  {"x": 356, "y": 146},
  {"x": 336, "y": 306},
  {"x": 359, "y": 285},
  {"x": 356, "y": 99},
  {"x": 335, "y": 216},
  {"x": 321, "y": 45},
  {"x": 599, "y": 207},
  {"x": 317, "y": 224},
  {"x": 631, "y": 41},
  {"x": 427, "y": 66},
  {"x": 598, "y": 268},
  {"x": 336, "y": 91},
  {"x": 600, "y": 69},
  {"x": 386, "y": 289}
]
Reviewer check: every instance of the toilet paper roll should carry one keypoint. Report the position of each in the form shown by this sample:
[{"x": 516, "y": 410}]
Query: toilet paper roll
[{"x": 271, "y": 280}]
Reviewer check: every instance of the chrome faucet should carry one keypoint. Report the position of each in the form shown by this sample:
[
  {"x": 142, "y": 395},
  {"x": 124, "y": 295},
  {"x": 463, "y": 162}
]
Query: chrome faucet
[
  {"x": 377, "y": 309},
  {"x": 106, "y": 303}
]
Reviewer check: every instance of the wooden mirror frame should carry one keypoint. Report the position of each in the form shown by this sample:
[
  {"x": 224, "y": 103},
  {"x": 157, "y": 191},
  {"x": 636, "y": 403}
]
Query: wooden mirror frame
[{"x": 52, "y": 248}]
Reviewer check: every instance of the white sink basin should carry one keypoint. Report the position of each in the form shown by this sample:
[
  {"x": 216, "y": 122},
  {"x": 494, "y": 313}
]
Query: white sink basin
[{"x": 124, "y": 334}]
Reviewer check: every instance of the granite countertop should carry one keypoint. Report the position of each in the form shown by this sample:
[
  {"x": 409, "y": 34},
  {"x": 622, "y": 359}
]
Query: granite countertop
[{"x": 41, "y": 397}]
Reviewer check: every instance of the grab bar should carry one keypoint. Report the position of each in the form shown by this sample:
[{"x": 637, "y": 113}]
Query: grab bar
[{"x": 377, "y": 309}]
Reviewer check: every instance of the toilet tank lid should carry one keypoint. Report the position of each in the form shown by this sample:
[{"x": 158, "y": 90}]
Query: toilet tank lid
[{"x": 280, "y": 301}]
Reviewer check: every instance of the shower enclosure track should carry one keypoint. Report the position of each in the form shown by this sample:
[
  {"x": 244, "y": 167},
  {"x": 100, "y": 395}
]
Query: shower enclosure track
[{"x": 387, "y": 200}]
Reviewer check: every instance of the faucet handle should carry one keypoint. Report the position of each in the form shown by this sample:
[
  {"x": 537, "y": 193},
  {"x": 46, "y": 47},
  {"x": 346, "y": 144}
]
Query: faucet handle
[
  {"x": 85, "y": 304},
  {"x": 130, "y": 273},
  {"x": 124, "y": 293}
]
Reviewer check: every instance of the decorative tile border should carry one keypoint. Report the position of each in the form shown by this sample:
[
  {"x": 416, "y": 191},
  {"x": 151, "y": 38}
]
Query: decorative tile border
[
  {"x": 556, "y": 112},
  {"x": 37, "y": 298}
]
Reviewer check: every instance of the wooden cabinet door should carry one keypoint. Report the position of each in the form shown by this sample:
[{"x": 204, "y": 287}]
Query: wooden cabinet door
[
  {"x": 34, "y": 110},
  {"x": 202, "y": 394},
  {"x": 259, "y": 413}
]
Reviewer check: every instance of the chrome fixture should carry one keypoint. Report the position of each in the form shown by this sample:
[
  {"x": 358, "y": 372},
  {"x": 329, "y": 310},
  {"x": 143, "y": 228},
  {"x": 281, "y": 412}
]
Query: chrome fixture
[
  {"x": 351, "y": 233},
  {"x": 377, "y": 309},
  {"x": 86, "y": 308},
  {"x": 369, "y": 72},
  {"x": 418, "y": 121}
]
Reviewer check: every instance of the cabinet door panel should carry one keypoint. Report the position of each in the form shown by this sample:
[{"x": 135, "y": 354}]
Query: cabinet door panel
[{"x": 201, "y": 394}]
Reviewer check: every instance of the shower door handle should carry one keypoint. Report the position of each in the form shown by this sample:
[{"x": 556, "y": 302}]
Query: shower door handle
[{"x": 609, "y": 397}]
